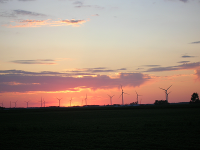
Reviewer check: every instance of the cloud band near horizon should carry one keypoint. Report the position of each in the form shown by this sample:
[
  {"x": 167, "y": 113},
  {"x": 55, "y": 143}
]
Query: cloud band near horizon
[{"x": 33, "y": 82}]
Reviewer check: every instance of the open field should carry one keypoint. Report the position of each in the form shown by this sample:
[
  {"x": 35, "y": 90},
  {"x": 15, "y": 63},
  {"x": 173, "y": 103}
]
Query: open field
[{"x": 144, "y": 127}]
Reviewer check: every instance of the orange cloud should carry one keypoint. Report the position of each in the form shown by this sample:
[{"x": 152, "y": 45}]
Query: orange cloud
[{"x": 40, "y": 23}]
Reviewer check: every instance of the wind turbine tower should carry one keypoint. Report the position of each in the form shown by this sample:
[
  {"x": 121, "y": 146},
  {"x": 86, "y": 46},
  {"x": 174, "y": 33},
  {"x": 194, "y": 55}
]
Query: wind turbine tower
[
  {"x": 86, "y": 100},
  {"x": 59, "y": 101},
  {"x": 41, "y": 101},
  {"x": 166, "y": 92},
  {"x": 137, "y": 96},
  {"x": 1, "y": 104},
  {"x": 122, "y": 95},
  {"x": 15, "y": 104},
  {"x": 70, "y": 101},
  {"x": 44, "y": 102},
  {"x": 26, "y": 103},
  {"x": 110, "y": 99}
]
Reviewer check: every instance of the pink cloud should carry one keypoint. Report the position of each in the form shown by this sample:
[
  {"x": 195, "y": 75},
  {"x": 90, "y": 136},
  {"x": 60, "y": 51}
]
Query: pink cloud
[
  {"x": 26, "y": 83},
  {"x": 40, "y": 23}
]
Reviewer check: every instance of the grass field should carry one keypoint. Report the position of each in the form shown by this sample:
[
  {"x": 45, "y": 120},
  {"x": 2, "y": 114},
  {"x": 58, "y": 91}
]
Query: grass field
[{"x": 144, "y": 127}]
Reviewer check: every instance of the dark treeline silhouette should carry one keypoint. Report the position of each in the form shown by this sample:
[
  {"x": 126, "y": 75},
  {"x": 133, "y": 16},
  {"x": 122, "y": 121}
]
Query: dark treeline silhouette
[{"x": 161, "y": 102}]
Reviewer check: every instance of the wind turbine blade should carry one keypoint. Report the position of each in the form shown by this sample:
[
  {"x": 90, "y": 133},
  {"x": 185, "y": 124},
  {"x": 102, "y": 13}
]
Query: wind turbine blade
[
  {"x": 120, "y": 95},
  {"x": 162, "y": 88},
  {"x": 169, "y": 87}
]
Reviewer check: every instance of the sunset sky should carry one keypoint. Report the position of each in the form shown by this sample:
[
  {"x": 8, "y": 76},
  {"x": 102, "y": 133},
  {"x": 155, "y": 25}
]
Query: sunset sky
[{"x": 69, "y": 48}]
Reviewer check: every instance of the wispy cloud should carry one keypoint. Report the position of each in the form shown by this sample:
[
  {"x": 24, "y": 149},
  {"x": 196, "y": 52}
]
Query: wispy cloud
[
  {"x": 151, "y": 65},
  {"x": 197, "y": 42},
  {"x": 97, "y": 70},
  {"x": 22, "y": 81},
  {"x": 19, "y": 12},
  {"x": 183, "y": 62},
  {"x": 80, "y": 4},
  {"x": 38, "y": 61},
  {"x": 26, "y": 0},
  {"x": 187, "y": 56},
  {"x": 4, "y": 1},
  {"x": 173, "y": 68},
  {"x": 185, "y": 1},
  {"x": 40, "y": 23},
  {"x": 24, "y": 12}
]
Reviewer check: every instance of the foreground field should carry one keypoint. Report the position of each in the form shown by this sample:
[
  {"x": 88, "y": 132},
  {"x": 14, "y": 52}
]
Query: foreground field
[{"x": 105, "y": 128}]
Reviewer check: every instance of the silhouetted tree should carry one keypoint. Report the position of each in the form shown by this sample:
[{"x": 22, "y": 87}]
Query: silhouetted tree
[
  {"x": 161, "y": 102},
  {"x": 194, "y": 98}
]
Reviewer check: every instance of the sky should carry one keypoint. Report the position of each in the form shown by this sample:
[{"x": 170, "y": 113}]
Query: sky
[{"x": 67, "y": 49}]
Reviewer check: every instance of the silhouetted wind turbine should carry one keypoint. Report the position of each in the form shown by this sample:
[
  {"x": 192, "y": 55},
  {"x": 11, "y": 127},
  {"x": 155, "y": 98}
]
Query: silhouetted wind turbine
[
  {"x": 86, "y": 100},
  {"x": 1, "y": 104},
  {"x": 27, "y": 103},
  {"x": 41, "y": 101},
  {"x": 15, "y": 103},
  {"x": 44, "y": 102},
  {"x": 167, "y": 95},
  {"x": 137, "y": 96},
  {"x": 122, "y": 95},
  {"x": 110, "y": 99},
  {"x": 59, "y": 100},
  {"x": 70, "y": 101},
  {"x": 166, "y": 92}
]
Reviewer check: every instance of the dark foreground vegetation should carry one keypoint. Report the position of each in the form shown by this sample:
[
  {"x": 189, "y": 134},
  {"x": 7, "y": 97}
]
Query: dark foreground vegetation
[{"x": 142, "y": 127}]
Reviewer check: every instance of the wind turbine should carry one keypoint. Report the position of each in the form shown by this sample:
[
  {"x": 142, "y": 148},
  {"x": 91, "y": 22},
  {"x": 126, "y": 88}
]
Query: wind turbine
[
  {"x": 59, "y": 100},
  {"x": 167, "y": 95},
  {"x": 70, "y": 101},
  {"x": 27, "y": 103},
  {"x": 41, "y": 101},
  {"x": 15, "y": 103},
  {"x": 86, "y": 100},
  {"x": 122, "y": 95},
  {"x": 44, "y": 102},
  {"x": 137, "y": 96},
  {"x": 110, "y": 99},
  {"x": 166, "y": 92},
  {"x": 1, "y": 104}
]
